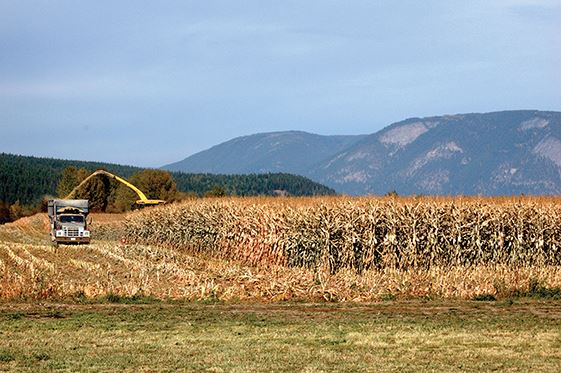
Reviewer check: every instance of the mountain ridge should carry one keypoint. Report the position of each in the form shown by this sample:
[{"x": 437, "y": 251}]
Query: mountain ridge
[
  {"x": 236, "y": 156},
  {"x": 497, "y": 153}
]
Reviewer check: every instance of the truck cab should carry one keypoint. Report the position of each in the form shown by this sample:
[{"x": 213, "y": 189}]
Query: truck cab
[{"x": 69, "y": 223}]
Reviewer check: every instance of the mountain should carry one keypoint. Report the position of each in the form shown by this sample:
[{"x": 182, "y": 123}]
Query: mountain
[
  {"x": 499, "y": 153},
  {"x": 290, "y": 151},
  {"x": 27, "y": 179}
]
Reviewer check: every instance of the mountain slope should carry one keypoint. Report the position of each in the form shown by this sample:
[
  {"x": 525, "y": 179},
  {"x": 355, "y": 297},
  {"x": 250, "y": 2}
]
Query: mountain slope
[
  {"x": 290, "y": 151},
  {"x": 500, "y": 153}
]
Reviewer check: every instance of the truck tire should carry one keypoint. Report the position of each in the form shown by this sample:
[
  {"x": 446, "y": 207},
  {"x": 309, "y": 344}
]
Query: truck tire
[{"x": 52, "y": 241}]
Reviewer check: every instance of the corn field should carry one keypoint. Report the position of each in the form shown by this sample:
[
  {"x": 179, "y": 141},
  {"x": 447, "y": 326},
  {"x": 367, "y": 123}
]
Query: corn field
[
  {"x": 269, "y": 250},
  {"x": 359, "y": 234}
]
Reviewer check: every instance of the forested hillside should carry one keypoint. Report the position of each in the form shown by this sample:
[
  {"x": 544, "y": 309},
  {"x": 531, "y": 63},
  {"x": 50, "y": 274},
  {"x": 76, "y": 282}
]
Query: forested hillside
[
  {"x": 250, "y": 185},
  {"x": 28, "y": 179}
]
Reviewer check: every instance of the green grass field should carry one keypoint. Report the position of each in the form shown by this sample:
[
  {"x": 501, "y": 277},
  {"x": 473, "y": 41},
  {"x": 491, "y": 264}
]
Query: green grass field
[{"x": 524, "y": 335}]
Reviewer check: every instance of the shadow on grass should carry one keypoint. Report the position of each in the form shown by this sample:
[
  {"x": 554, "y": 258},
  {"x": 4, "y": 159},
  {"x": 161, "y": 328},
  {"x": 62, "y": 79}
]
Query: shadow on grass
[
  {"x": 138, "y": 298},
  {"x": 535, "y": 290}
]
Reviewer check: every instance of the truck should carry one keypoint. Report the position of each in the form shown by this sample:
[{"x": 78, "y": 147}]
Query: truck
[
  {"x": 69, "y": 217},
  {"x": 69, "y": 221}
]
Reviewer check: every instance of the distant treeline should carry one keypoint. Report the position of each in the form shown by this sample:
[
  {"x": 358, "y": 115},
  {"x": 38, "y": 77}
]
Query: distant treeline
[
  {"x": 26, "y": 180},
  {"x": 250, "y": 185}
]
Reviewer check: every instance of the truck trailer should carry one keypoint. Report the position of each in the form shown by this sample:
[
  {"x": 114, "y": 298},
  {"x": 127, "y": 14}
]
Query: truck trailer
[{"x": 68, "y": 218}]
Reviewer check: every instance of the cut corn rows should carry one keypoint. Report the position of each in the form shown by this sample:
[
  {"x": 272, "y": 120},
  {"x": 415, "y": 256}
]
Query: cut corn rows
[{"x": 359, "y": 233}]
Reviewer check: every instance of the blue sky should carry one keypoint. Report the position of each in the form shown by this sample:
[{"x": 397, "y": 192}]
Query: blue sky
[{"x": 148, "y": 83}]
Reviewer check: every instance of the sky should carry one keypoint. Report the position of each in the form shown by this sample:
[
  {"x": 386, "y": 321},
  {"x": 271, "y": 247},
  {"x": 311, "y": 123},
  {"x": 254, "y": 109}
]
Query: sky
[{"x": 148, "y": 83}]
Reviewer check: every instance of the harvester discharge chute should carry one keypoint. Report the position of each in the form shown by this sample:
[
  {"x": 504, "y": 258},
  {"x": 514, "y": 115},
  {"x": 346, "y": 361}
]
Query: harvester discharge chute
[{"x": 143, "y": 201}]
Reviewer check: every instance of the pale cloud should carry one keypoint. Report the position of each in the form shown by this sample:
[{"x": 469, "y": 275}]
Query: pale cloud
[{"x": 536, "y": 3}]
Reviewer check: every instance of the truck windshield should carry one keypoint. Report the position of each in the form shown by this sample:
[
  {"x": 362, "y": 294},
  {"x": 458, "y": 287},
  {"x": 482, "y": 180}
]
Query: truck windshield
[{"x": 71, "y": 219}]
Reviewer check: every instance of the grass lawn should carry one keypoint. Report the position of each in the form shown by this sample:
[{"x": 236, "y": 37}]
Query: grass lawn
[{"x": 389, "y": 336}]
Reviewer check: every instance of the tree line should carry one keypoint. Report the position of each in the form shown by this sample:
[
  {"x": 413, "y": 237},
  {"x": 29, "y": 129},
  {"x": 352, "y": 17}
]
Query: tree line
[{"x": 26, "y": 182}]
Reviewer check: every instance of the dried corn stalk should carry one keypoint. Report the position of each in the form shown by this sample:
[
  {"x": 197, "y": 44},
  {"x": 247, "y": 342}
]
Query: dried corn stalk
[{"x": 359, "y": 233}]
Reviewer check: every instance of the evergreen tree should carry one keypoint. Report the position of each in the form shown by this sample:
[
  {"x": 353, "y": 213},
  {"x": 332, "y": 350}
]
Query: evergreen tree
[
  {"x": 68, "y": 181},
  {"x": 124, "y": 198},
  {"x": 155, "y": 184},
  {"x": 5, "y": 216},
  {"x": 217, "y": 191},
  {"x": 16, "y": 211},
  {"x": 97, "y": 191}
]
